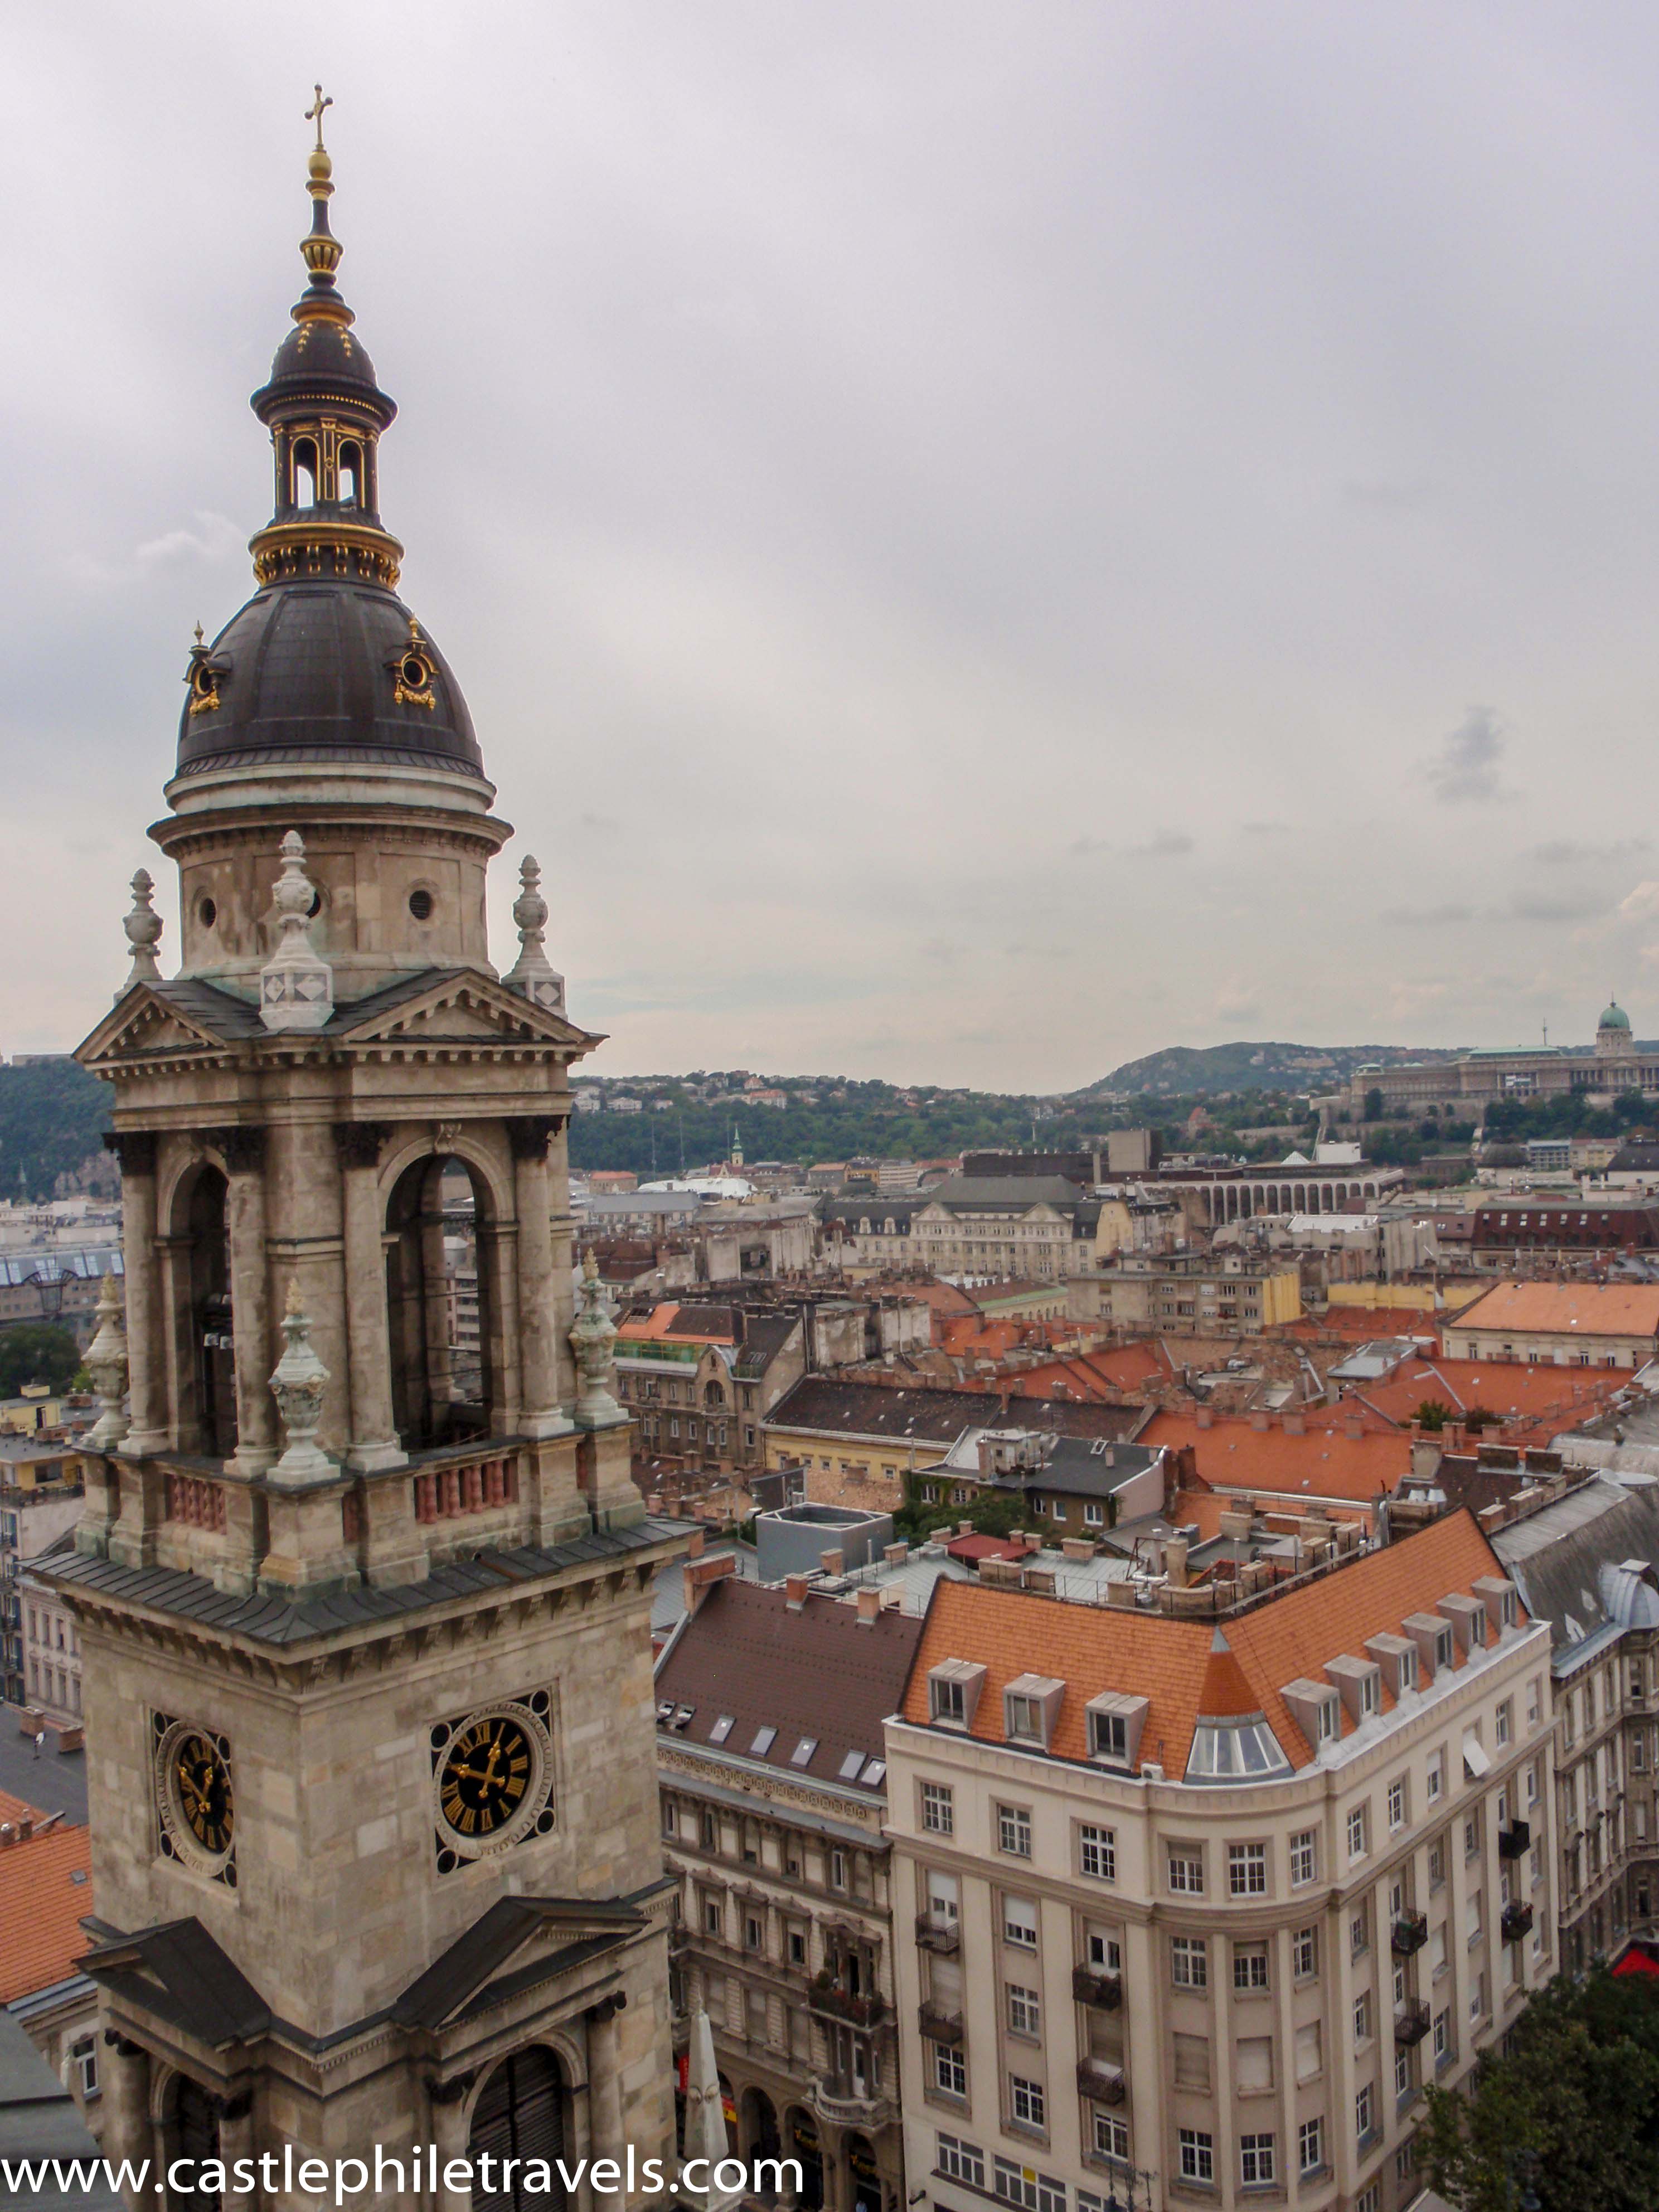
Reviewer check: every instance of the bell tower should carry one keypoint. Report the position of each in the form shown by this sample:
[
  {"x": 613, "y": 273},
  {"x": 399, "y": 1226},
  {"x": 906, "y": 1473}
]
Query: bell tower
[{"x": 363, "y": 1582}]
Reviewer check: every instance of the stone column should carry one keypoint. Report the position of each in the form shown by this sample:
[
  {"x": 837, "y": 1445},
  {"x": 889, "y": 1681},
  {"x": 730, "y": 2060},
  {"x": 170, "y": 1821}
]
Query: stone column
[
  {"x": 374, "y": 1440},
  {"x": 244, "y": 1153},
  {"x": 604, "y": 2102},
  {"x": 540, "y": 1414},
  {"x": 125, "y": 2079},
  {"x": 564, "y": 1228},
  {"x": 450, "y": 2135},
  {"x": 236, "y": 2141},
  {"x": 135, "y": 1151}
]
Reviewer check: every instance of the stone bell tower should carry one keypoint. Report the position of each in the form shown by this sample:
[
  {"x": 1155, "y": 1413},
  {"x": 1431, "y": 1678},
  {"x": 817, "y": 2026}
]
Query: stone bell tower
[{"x": 363, "y": 1583}]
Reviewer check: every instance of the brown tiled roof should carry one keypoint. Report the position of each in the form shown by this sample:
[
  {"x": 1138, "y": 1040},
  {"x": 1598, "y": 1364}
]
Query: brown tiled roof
[
  {"x": 817, "y": 1673},
  {"x": 937, "y": 1417},
  {"x": 1168, "y": 1660},
  {"x": 41, "y": 1903},
  {"x": 1324, "y": 1461},
  {"x": 1588, "y": 1309}
]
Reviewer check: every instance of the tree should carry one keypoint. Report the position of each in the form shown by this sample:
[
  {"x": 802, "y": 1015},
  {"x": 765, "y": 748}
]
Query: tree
[
  {"x": 37, "y": 1351},
  {"x": 1433, "y": 1413},
  {"x": 1578, "y": 2084}
]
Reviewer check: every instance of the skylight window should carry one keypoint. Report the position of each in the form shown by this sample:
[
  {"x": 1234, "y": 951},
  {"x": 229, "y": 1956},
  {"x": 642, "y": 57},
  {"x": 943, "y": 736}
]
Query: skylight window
[
  {"x": 852, "y": 1764},
  {"x": 1234, "y": 1752},
  {"x": 764, "y": 1740},
  {"x": 875, "y": 1774},
  {"x": 722, "y": 1727},
  {"x": 802, "y": 1754}
]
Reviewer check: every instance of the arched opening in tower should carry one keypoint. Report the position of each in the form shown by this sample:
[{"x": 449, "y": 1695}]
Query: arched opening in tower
[
  {"x": 305, "y": 473},
  {"x": 205, "y": 1368},
  {"x": 520, "y": 2116},
  {"x": 193, "y": 2137},
  {"x": 442, "y": 1257},
  {"x": 351, "y": 473}
]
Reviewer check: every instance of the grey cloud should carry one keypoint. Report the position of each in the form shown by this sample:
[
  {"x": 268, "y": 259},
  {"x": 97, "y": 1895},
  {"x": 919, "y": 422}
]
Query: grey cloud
[
  {"x": 1538, "y": 906},
  {"x": 1465, "y": 770},
  {"x": 1564, "y": 853},
  {"x": 1427, "y": 917},
  {"x": 1164, "y": 845}
]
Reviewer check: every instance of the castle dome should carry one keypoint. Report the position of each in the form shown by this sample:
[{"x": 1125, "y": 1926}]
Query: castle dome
[{"x": 1615, "y": 1017}]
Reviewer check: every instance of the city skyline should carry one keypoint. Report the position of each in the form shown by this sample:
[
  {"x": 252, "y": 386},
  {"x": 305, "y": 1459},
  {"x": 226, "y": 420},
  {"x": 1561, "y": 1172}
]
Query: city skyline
[{"x": 980, "y": 546}]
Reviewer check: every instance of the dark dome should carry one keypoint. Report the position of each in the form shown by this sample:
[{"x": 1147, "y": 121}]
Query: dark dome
[
  {"x": 311, "y": 671},
  {"x": 318, "y": 356}
]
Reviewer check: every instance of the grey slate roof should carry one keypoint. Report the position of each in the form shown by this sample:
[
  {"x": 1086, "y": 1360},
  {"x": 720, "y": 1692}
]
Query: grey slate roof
[
  {"x": 39, "y": 2119},
  {"x": 469, "y": 1966},
  {"x": 1573, "y": 1561},
  {"x": 1015, "y": 1194},
  {"x": 284, "y": 1621},
  {"x": 178, "y": 1972}
]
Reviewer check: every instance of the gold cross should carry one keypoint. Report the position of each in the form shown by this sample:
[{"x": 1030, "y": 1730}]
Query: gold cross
[{"x": 315, "y": 114}]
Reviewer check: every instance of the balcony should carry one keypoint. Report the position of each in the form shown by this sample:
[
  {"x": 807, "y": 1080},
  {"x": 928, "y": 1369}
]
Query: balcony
[
  {"x": 1091, "y": 1987},
  {"x": 1411, "y": 2021},
  {"x": 860, "y": 2008},
  {"x": 938, "y": 2025},
  {"x": 1516, "y": 1921},
  {"x": 1514, "y": 1841},
  {"x": 1100, "y": 2081},
  {"x": 1410, "y": 1932},
  {"x": 852, "y": 2105},
  {"x": 935, "y": 1933}
]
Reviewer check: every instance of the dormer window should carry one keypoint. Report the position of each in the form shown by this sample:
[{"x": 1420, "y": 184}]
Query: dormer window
[
  {"x": 954, "y": 1691},
  {"x": 1115, "y": 1721},
  {"x": 1031, "y": 1708},
  {"x": 1467, "y": 1616},
  {"x": 1436, "y": 1645},
  {"x": 1503, "y": 1606},
  {"x": 1359, "y": 1682},
  {"x": 1316, "y": 1709}
]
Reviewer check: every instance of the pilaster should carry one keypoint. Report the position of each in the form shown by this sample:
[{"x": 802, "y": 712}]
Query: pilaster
[{"x": 135, "y": 1151}]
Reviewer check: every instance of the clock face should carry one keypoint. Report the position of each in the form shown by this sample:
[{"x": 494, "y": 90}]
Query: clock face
[
  {"x": 195, "y": 1794},
  {"x": 490, "y": 1777}
]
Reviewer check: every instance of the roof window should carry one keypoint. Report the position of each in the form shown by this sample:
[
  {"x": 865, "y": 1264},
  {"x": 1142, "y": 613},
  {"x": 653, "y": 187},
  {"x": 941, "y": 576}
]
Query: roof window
[
  {"x": 1031, "y": 1708},
  {"x": 1235, "y": 1751},
  {"x": 1396, "y": 1656},
  {"x": 802, "y": 1754},
  {"x": 852, "y": 1765},
  {"x": 1358, "y": 1683},
  {"x": 764, "y": 1740},
  {"x": 1115, "y": 1721},
  {"x": 1316, "y": 1709},
  {"x": 1468, "y": 1617},
  {"x": 722, "y": 1727}
]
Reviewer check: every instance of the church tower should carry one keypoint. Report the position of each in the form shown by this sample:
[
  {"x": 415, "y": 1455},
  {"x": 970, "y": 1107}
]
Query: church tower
[{"x": 363, "y": 1583}]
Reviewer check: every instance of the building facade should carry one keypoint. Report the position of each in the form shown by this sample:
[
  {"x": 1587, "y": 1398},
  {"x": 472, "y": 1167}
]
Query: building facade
[
  {"x": 365, "y": 1646},
  {"x": 1554, "y": 1324},
  {"x": 1201, "y": 1903}
]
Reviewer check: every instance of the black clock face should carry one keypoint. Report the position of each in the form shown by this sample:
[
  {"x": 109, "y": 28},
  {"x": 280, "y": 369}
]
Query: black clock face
[
  {"x": 199, "y": 1783},
  {"x": 486, "y": 1776}
]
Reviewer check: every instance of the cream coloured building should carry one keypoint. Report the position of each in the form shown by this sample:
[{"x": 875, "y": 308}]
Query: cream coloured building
[
  {"x": 1201, "y": 1903},
  {"x": 1560, "y": 1325}
]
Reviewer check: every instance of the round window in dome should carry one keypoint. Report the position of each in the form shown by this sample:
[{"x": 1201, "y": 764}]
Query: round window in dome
[
  {"x": 207, "y": 914},
  {"x": 420, "y": 904}
]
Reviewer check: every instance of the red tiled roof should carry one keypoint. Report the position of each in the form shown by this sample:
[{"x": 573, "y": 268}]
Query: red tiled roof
[
  {"x": 1557, "y": 1308},
  {"x": 1540, "y": 1398},
  {"x": 1322, "y": 1462},
  {"x": 41, "y": 1903},
  {"x": 1168, "y": 1661},
  {"x": 1225, "y": 1693},
  {"x": 1203, "y": 1509}
]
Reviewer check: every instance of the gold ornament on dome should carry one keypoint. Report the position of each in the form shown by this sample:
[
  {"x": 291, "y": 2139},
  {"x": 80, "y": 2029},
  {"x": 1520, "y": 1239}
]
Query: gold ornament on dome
[
  {"x": 413, "y": 672},
  {"x": 201, "y": 677}
]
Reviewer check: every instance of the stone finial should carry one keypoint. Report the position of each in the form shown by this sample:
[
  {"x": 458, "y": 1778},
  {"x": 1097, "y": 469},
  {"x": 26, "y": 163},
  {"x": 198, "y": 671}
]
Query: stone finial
[
  {"x": 531, "y": 972},
  {"x": 594, "y": 1340},
  {"x": 106, "y": 1362},
  {"x": 143, "y": 927},
  {"x": 297, "y": 1385},
  {"x": 296, "y": 985}
]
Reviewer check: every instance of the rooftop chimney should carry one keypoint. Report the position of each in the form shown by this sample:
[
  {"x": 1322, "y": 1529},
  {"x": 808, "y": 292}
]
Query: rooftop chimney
[
  {"x": 701, "y": 1575},
  {"x": 833, "y": 1562},
  {"x": 794, "y": 1593},
  {"x": 869, "y": 1606},
  {"x": 1204, "y": 1417}
]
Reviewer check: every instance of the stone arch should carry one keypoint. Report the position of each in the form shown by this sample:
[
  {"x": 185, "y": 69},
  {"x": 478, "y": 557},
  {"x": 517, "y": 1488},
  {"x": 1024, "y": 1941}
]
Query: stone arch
[
  {"x": 444, "y": 1390},
  {"x": 522, "y": 2111},
  {"x": 1246, "y": 1202},
  {"x": 202, "y": 1369},
  {"x": 802, "y": 2140},
  {"x": 190, "y": 2129},
  {"x": 758, "y": 2133},
  {"x": 864, "y": 2185}
]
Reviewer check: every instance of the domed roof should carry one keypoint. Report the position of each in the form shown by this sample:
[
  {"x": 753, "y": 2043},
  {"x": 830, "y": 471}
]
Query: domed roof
[
  {"x": 325, "y": 669},
  {"x": 1614, "y": 1019},
  {"x": 323, "y": 355}
]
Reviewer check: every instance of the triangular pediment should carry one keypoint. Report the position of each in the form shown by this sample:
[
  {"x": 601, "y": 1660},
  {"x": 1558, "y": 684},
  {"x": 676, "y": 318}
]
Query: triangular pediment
[
  {"x": 457, "y": 1004},
  {"x": 149, "y": 1019},
  {"x": 515, "y": 1936}
]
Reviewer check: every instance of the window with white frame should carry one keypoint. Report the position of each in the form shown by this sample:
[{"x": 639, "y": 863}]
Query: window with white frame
[
  {"x": 1246, "y": 1869},
  {"x": 1098, "y": 1853},
  {"x": 1443, "y": 2042},
  {"x": 949, "y": 2070},
  {"x": 1014, "y": 1830},
  {"x": 1311, "y": 2146},
  {"x": 1370, "y": 2199},
  {"x": 962, "y": 2162},
  {"x": 1255, "y": 2161},
  {"x": 85, "y": 2055},
  {"x": 1249, "y": 1968},
  {"x": 1304, "y": 1953},
  {"x": 1359, "y": 1931},
  {"x": 1024, "y": 2010},
  {"x": 1197, "y": 2154},
  {"x": 1111, "y": 2140},
  {"x": 1305, "y": 1857},
  {"x": 1358, "y": 1830},
  {"x": 1014, "y": 2184},
  {"x": 1186, "y": 1870},
  {"x": 1397, "y": 1803},
  {"x": 1027, "y": 2106},
  {"x": 1435, "y": 1775},
  {"x": 1364, "y": 2110},
  {"x": 1104, "y": 1952},
  {"x": 1189, "y": 1962},
  {"x": 1019, "y": 1922},
  {"x": 1534, "y": 1700},
  {"x": 1503, "y": 1721},
  {"x": 939, "y": 1808},
  {"x": 1109, "y": 1735},
  {"x": 1402, "y": 2070},
  {"x": 1362, "y": 2017}
]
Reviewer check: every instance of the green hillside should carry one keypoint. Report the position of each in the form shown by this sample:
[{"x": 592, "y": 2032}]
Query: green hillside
[
  {"x": 52, "y": 1118},
  {"x": 1198, "y": 1071}
]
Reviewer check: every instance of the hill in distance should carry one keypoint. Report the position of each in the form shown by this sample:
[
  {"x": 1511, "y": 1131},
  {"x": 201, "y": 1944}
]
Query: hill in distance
[{"x": 1188, "y": 1071}]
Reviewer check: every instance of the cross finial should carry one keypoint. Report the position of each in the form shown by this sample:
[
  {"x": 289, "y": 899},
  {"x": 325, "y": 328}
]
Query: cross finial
[{"x": 314, "y": 113}]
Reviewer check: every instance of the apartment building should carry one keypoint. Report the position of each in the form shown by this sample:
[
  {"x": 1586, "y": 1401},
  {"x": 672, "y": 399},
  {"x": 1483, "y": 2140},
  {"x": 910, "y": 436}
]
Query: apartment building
[
  {"x": 1189, "y": 1294},
  {"x": 1560, "y": 1325},
  {"x": 1200, "y": 1904},
  {"x": 41, "y": 1495},
  {"x": 770, "y": 1706}
]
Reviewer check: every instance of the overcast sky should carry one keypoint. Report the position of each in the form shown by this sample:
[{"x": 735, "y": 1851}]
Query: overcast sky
[{"x": 981, "y": 539}]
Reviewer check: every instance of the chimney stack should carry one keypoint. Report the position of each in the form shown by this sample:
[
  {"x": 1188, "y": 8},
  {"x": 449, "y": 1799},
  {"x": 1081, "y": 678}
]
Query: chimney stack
[
  {"x": 701, "y": 1575},
  {"x": 869, "y": 1606},
  {"x": 833, "y": 1562},
  {"x": 794, "y": 1593}
]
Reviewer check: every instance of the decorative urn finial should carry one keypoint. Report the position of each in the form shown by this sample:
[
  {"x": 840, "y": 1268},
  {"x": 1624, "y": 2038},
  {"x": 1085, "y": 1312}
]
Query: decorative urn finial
[
  {"x": 531, "y": 973},
  {"x": 593, "y": 1340},
  {"x": 143, "y": 927},
  {"x": 106, "y": 1362},
  {"x": 297, "y": 1385},
  {"x": 296, "y": 984}
]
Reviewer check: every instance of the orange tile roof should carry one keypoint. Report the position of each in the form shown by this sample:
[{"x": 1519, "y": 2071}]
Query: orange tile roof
[
  {"x": 42, "y": 1905},
  {"x": 1168, "y": 1661},
  {"x": 1323, "y": 1462},
  {"x": 1543, "y": 1399},
  {"x": 1203, "y": 1509},
  {"x": 658, "y": 1326},
  {"x": 1592, "y": 1309},
  {"x": 1226, "y": 1691}
]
